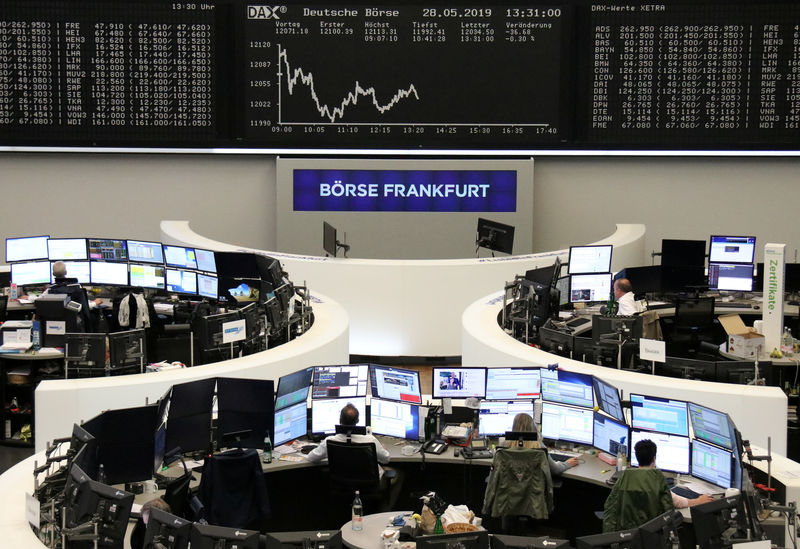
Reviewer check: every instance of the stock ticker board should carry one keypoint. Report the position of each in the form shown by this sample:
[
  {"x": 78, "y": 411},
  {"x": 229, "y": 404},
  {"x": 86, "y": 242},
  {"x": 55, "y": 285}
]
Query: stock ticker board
[{"x": 569, "y": 75}]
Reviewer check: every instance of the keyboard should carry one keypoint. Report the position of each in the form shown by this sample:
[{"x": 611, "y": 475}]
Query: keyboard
[
  {"x": 732, "y": 305},
  {"x": 685, "y": 492},
  {"x": 578, "y": 321},
  {"x": 563, "y": 455}
]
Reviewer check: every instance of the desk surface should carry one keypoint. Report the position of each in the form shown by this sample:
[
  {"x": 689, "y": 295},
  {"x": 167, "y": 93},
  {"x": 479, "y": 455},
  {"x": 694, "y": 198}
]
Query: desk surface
[{"x": 370, "y": 536}]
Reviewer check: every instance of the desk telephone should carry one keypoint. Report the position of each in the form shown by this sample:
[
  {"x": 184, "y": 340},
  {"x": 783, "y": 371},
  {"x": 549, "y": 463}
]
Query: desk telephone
[
  {"x": 477, "y": 449},
  {"x": 434, "y": 446}
]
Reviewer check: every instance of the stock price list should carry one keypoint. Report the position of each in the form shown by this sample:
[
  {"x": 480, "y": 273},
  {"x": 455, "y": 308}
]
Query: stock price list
[
  {"x": 680, "y": 75},
  {"x": 415, "y": 76},
  {"x": 106, "y": 72}
]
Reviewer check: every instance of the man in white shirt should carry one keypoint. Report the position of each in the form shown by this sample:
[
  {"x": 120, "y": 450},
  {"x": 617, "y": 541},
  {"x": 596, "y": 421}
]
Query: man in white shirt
[
  {"x": 349, "y": 416},
  {"x": 623, "y": 293}
]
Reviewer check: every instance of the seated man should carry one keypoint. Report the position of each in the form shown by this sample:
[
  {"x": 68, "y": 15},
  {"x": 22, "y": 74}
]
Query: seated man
[
  {"x": 641, "y": 494},
  {"x": 626, "y": 303},
  {"x": 349, "y": 416},
  {"x": 75, "y": 291}
]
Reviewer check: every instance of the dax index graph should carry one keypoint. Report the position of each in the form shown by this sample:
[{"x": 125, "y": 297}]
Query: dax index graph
[{"x": 424, "y": 76}]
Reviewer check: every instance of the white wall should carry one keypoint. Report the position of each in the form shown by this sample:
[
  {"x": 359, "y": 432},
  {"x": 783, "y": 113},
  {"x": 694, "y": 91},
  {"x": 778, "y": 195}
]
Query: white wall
[{"x": 233, "y": 198}]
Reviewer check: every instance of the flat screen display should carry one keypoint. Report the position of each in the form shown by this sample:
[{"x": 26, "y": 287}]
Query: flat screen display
[
  {"x": 325, "y": 413},
  {"x": 610, "y": 435},
  {"x": 115, "y": 274},
  {"x": 207, "y": 286},
  {"x": 178, "y": 256},
  {"x": 732, "y": 249},
  {"x": 30, "y": 272},
  {"x": 293, "y": 388},
  {"x": 145, "y": 252},
  {"x": 672, "y": 454},
  {"x": 587, "y": 288},
  {"x": 182, "y": 282},
  {"x": 567, "y": 424},
  {"x": 26, "y": 248},
  {"x": 512, "y": 383},
  {"x": 107, "y": 249},
  {"x": 712, "y": 464},
  {"x": 608, "y": 398},
  {"x": 459, "y": 382},
  {"x": 589, "y": 259},
  {"x": 75, "y": 269},
  {"x": 659, "y": 414},
  {"x": 205, "y": 260},
  {"x": 66, "y": 249},
  {"x": 395, "y": 384},
  {"x": 495, "y": 417},
  {"x": 339, "y": 381},
  {"x": 730, "y": 277},
  {"x": 394, "y": 419},
  {"x": 291, "y": 423},
  {"x": 567, "y": 388},
  {"x": 711, "y": 426},
  {"x": 147, "y": 276}
]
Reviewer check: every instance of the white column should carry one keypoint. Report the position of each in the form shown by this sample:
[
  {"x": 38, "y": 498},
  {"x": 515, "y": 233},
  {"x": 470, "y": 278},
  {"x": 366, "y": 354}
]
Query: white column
[{"x": 773, "y": 295}]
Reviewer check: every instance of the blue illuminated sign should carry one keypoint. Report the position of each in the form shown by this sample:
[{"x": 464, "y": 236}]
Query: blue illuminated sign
[{"x": 405, "y": 190}]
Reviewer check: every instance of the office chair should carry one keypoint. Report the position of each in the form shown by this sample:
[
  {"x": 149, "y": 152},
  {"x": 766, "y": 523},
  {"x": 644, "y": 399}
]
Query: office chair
[
  {"x": 694, "y": 319},
  {"x": 3, "y": 307},
  {"x": 638, "y": 496},
  {"x": 233, "y": 491},
  {"x": 519, "y": 489}
]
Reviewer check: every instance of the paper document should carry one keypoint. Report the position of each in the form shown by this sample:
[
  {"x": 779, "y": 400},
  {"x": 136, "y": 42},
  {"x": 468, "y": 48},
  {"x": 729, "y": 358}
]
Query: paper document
[{"x": 454, "y": 431}]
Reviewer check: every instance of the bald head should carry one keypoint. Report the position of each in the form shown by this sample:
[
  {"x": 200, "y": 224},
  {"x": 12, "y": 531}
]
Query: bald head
[
  {"x": 59, "y": 269},
  {"x": 621, "y": 287}
]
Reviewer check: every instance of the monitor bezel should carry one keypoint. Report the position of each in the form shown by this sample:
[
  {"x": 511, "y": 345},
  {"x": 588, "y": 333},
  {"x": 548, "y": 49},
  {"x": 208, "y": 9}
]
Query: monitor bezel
[
  {"x": 151, "y": 262},
  {"x": 711, "y": 241},
  {"x": 610, "y": 254},
  {"x": 85, "y": 249},
  {"x": 435, "y": 390},
  {"x": 30, "y": 259},
  {"x": 95, "y": 283},
  {"x": 103, "y": 260}
]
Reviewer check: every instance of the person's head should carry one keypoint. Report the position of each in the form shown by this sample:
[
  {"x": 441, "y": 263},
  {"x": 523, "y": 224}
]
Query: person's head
[
  {"x": 523, "y": 423},
  {"x": 156, "y": 503},
  {"x": 59, "y": 269},
  {"x": 646, "y": 452},
  {"x": 621, "y": 287},
  {"x": 348, "y": 415}
]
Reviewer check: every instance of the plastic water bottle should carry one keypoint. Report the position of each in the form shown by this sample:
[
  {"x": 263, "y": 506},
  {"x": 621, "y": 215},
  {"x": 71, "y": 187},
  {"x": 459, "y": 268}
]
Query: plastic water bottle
[
  {"x": 36, "y": 335},
  {"x": 621, "y": 457},
  {"x": 358, "y": 513},
  {"x": 787, "y": 341},
  {"x": 266, "y": 457},
  {"x": 14, "y": 294}
]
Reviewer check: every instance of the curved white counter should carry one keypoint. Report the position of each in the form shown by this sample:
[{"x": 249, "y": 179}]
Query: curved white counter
[
  {"x": 60, "y": 403},
  {"x": 758, "y": 412},
  {"x": 410, "y": 307}
]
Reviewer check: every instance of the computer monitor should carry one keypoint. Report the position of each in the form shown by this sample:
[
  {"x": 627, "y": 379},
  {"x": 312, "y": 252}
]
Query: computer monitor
[
  {"x": 683, "y": 253},
  {"x": 629, "y": 326},
  {"x": 85, "y": 350},
  {"x": 466, "y": 540},
  {"x": 182, "y": 282},
  {"x": 672, "y": 453},
  {"x": 108, "y": 274},
  {"x": 496, "y": 417},
  {"x": 75, "y": 269},
  {"x": 567, "y": 388},
  {"x": 107, "y": 249},
  {"x": 310, "y": 539},
  {"x": 791, "y": 279},
  {"x": 166, "y": 530},
  {"x": 126, "y": 443},
  {"x": 290, "y": 423},
  {"x": 347, "y": 380},
  {"x": 662, "y": 531},
  {"x": 730, "y": 277},
  {"x": 556, "y": 341},
  {"x": 394, "y": 419},
  {"x": 189, "y": 418},
  {"x": 567, "y": 424},
  {"x": 665, "y": 415},
  {"x": 27, "y": 248},
  {"x": 329, "y": 238},
  {"x": 688, "y": 368},
  {"x": 494, "y": 236},
  {"x": 644, "y": 280},
  {"x": 546, "y": 276},
  {"x": 731, "y": 249},
  {"x": 245, "y": 405},
  {"x": 209, "y": 329},
  {"x": 66, "y": 249},
  {"x": 30, "y": 273},
  {"x": 588, "y": 288},
  {"x": 205, "y": 260},
  {"x": 562, "y": 287},
  {"x": 608, "y": 398},
  {"x": 207, "y": 286},
  {"x": 589, "y": 259},
  {"x": 718, "y": 519},
  {"x": 145, "y": 252},
  {"x": 513, "y": 383},
  {"x": 502, "y": 541},
  {"x": 395, "y": 384},
  {"x": 712, "y": 464},
  {"x": 178, "y": 256},
  {"x": 325, "y": 413},
  {"x": 206, "y": 536},
  {"x": 711, "y": 426},
  {"x": 128, "y": 349},
  {"x": 147, "y": 276},
  {"x": 293, "y": 388},
  {"x": 109, "y": 506},
  {"x": 623, "y": 539},
  {"x": 459, "y": 382},
  {"x": 610, "y": 435}
]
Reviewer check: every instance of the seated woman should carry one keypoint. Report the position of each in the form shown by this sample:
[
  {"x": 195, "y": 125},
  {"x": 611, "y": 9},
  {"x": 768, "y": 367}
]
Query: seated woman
[{"x": 524, "y": 423}]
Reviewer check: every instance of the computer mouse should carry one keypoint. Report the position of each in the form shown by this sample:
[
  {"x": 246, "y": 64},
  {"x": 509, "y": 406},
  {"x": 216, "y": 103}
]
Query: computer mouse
[
  {"x": 457, "y": 452},
  {"x": 307, "y": 448}
]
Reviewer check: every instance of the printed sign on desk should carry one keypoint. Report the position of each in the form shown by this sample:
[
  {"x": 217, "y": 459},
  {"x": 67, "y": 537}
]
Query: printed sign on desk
[
  {"x": 233, "y": 331},
  {"x": 653, "y": 350}
]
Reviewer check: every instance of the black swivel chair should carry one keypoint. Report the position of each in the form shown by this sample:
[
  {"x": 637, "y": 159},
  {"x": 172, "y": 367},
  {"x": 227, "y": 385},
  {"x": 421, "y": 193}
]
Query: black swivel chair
[
  {"x": 693, "y": 323},
  {"x": 3, "y": 307}
]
